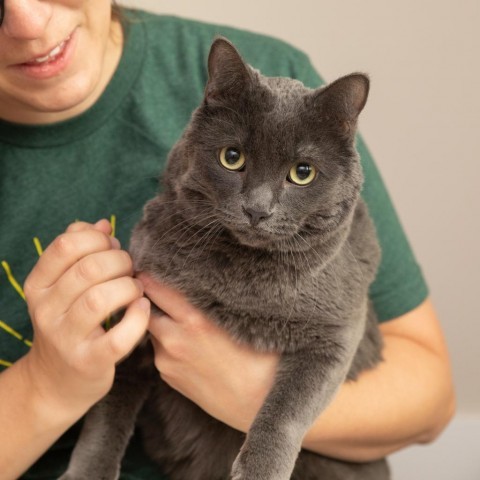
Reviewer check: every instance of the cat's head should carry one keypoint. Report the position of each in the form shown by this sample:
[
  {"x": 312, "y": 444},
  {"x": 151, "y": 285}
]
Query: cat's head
[{"x": 271, "y": 160}]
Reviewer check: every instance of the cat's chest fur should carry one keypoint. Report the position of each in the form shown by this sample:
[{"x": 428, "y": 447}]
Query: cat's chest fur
[{"x": 272, "y": 300}]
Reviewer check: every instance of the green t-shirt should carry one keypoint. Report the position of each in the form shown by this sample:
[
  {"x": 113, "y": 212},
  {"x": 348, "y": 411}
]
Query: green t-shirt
[{"x": 107, "y": 162}]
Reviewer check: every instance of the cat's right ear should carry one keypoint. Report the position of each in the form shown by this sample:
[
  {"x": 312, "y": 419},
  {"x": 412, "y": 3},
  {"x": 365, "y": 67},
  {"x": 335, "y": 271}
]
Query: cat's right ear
[
  {"x": 228, "y": 74},
  {"x": 341, "y": 102}
]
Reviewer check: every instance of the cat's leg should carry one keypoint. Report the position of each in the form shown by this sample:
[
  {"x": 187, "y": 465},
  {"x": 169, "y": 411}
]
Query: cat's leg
[
  {"x": 188, "y": 443},
  {"x": 306, "y": 382},
  {"x": 109, "y": 424},
  {"x": 310, "y": 466}
]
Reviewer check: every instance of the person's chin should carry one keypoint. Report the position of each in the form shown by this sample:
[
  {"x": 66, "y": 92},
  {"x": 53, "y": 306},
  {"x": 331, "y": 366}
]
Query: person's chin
[
  {"x": 69, "y": 98},
  {"x": 77, "y": 94}
]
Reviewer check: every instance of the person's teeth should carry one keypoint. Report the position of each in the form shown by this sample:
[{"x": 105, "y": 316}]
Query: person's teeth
[
  {"x": 51, "y": 55},
  {"x": 56, "y": 50},
  {"x": 42, "y": 59}
]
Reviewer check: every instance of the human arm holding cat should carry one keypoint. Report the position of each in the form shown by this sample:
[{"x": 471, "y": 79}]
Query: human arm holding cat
[
  {"x": 78, "y": 281},
  {"x": 408, "y": 398}
]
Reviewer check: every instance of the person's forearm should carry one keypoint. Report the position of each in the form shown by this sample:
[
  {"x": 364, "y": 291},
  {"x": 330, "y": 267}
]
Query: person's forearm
[
  {"x": 28, "y": 424},
  {"x": 80, "y": 278},
  {"x": 407, "y": 398},
  {"x": 396, "y": 404}
]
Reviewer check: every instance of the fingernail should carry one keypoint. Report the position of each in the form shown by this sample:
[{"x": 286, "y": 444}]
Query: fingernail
[{"x": 103, "y": 225}]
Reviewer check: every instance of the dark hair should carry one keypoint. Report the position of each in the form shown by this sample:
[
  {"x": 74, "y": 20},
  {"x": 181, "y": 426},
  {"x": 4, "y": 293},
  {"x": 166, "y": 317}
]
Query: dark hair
[
  {"x": 117, "y": 11},
  {"x": 2, "y": 11}
]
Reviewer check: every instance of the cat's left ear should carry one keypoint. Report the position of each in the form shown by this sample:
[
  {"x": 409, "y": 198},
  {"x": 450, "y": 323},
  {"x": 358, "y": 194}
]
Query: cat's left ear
[
  {"x": 228, "y": 75},
  {"x": 342, "y": 101}
]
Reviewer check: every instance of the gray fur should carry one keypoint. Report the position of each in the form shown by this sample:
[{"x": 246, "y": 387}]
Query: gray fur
[{"x": 294, "y": 280}]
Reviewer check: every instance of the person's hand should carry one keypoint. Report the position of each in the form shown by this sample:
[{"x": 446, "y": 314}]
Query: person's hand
[
  {"x": 200, "y": 360},
  {"x": 81, "y": 278}
]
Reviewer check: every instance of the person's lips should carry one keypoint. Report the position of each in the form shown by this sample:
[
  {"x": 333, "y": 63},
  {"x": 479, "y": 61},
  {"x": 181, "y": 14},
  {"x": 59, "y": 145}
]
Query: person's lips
[
  {"x": 50, "y": 56},
  {"x": 51, "y": 62}
]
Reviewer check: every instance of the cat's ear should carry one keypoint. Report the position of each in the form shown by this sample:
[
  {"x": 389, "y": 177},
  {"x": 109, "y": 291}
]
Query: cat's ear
[
  {"x": 228, "y": 74},
  {"x": 342, "y": 101}
]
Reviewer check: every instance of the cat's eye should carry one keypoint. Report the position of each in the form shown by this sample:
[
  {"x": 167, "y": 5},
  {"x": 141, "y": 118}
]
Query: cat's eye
[
  {"x": 302, "y": 174},
  {"x": 232, "y": 158}
]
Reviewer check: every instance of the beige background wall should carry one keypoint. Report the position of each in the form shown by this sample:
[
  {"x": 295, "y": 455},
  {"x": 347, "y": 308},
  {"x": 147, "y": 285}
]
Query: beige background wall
[{"x": 422, "y": 123}]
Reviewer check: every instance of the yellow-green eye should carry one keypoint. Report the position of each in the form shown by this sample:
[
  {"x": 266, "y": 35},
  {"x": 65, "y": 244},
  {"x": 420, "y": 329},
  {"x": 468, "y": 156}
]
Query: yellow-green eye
[
  {"x": 302, "y": 174},
  {"x": 232, "y": 158}
]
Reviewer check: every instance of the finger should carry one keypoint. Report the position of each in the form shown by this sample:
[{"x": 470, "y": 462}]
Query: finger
[
  {"x": 92, "y": 308},
  {"x": 91, "y": 270},
  {"x": 168, "y": 299},
  {"x": 102, "y": 225},
  {"x": 63, "y": 252},
  {"x": 161, "y": 356},
  {"x": 161, "y": 326},
  {"x": 120, "y": 340}
]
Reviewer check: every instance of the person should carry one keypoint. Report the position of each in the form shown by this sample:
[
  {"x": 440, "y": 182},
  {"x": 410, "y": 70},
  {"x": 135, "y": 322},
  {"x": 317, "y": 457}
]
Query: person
[{"x": 90, "y": 103}]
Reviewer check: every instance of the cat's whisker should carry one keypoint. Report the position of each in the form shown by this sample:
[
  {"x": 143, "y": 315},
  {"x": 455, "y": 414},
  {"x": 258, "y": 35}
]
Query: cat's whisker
[
  {"x": 205, "y": 216},
  {"x": 359, "y": 268},
  {"x": 284, "y": 263},
  {"x": 185, "y": 231},
  {"x": 320, "y": 258},
  {"x": 187, "y": 227},
  {"x": 295, "y": 290},
  {"x": 192, "y": 203},
  {"x": 305, "y": 255},
  {"x": 335, "y": 277},
  {"x": 216, "y": 231},
  {"x": 284, "y": 256},
  {"x": 322, "y": 261},
  {"x": 126, "y": 218},
  {"x": 205, "y": 236}
]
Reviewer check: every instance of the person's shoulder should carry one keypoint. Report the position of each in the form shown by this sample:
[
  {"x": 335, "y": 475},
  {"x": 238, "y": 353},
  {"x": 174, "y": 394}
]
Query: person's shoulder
[{"x": 190, "y": 38}]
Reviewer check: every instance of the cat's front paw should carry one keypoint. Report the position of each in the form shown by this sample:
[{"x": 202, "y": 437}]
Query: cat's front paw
[
  {"x": 237, "y": 473},
  {"x": 255, "y": 468},
  {"x": 71, "y": 475},
  {"x": 239, "y": 469}
]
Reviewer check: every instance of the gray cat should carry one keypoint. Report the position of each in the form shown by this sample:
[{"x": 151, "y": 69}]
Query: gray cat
[{"x": 261, "y": 225}]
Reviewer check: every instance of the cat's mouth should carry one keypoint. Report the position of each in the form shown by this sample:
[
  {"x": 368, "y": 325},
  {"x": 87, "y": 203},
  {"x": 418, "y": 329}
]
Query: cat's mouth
[
  {"x": 265, "y": 234},
  {"x": 259, "y": 236}
]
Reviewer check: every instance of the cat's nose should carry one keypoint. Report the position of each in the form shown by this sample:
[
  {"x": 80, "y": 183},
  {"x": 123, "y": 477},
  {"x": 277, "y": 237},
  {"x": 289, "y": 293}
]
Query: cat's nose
[{"x": 256, "y": 216}]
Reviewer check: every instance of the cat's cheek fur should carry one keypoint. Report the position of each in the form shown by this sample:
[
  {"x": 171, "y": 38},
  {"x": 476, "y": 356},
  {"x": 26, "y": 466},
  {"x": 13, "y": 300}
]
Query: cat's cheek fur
[{"x": 224, "y": 186}]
